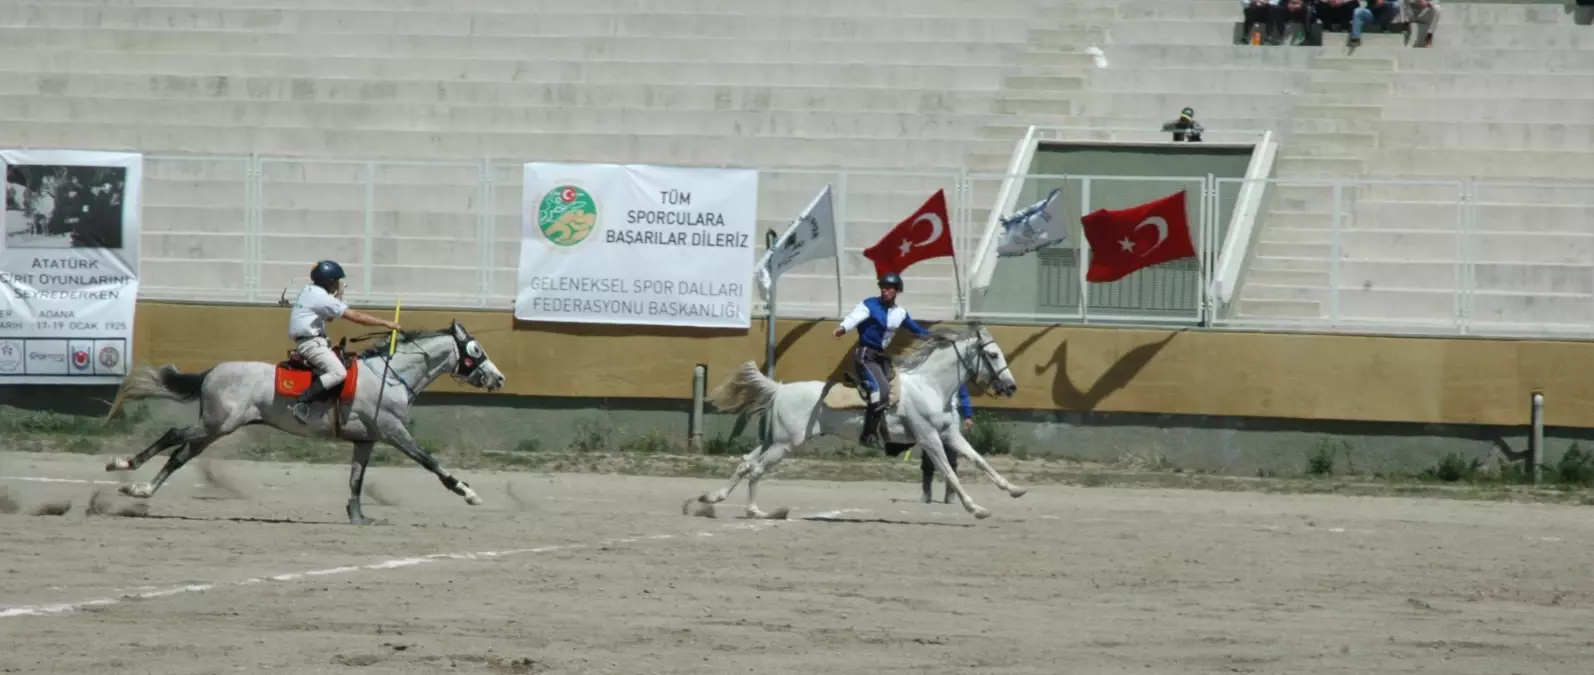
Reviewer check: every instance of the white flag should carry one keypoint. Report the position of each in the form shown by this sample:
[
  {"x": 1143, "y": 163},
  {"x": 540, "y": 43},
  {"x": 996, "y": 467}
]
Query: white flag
[
  {"x": 812, "y": 236},
  {"x": 1037, "y": 227}
]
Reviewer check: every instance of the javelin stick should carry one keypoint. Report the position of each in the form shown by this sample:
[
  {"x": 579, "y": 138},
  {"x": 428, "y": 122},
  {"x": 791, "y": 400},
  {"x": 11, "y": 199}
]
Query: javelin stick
[{"x": 392, "y": 344}]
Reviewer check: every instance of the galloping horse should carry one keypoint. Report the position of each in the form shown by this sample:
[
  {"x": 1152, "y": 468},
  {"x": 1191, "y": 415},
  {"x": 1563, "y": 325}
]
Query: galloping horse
[
  {"x": 917, "y": 413},
  {"x": 373, "y": 404}
]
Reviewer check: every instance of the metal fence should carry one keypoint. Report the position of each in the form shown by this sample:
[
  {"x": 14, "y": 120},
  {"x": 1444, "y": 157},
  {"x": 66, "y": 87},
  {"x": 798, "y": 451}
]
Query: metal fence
[
  {"x": 1419, "y": 257},
  {"x": 448, "y": 234}
]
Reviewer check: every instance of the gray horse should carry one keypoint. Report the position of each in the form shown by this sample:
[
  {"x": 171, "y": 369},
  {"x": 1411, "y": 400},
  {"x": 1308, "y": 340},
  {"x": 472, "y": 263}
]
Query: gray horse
[{"x": 237, "y": 393}]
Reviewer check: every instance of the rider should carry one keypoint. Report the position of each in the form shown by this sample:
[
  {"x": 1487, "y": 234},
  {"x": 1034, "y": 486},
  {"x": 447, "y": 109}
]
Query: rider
[
  {"x": 318, "y": 303},
  {"x": 877, "y": 320}
]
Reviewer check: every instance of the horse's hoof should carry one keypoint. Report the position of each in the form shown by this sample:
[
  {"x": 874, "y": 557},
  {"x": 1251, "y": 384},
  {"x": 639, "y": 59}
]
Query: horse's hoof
[
  {"x": 981, "y": 512},
  {"x": 136, "y": 490},
  {"x": 779, "y": 514},
  {"x": 1018, "y": 492},
  {"x": 473, "y": 499},
  {"x": 119, "y": 464}
]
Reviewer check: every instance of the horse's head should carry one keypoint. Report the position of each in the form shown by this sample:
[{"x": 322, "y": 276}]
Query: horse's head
[
  {"x": 988, "y": 362},
  {"x": 474, "y": 366}
]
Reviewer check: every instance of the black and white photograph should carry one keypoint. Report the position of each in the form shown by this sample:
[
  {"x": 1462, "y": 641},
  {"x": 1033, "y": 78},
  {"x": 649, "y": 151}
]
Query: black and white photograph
[{"x": 64, "y": 206}]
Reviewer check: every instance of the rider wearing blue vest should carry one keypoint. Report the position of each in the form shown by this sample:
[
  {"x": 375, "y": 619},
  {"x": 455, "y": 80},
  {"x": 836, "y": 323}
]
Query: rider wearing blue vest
[{"x": 877, "y": 320}]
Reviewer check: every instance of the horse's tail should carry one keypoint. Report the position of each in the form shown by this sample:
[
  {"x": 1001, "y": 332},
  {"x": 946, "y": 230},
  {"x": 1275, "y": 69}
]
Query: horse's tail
[
  {"x": 167, "y": 382},
  {"x": 746, "y": 390}
]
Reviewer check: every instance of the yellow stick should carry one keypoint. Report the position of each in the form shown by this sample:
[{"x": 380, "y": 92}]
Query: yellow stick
[{"x": 392, "y": 342}]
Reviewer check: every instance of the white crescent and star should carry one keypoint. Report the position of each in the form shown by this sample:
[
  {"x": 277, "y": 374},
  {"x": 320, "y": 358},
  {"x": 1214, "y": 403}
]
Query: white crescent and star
[
  {"x": 1162, "y": 234},
  {"x": 936, "y": 228}
]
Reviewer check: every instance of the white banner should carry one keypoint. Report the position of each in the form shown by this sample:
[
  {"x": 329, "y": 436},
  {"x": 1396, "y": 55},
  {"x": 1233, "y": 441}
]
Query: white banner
[
  {"x": 1034, "y": 228},
  {"x": 637, "y": 244},
  {"x": 811, "y": 237},
  {"x": 69, "y": 265}
]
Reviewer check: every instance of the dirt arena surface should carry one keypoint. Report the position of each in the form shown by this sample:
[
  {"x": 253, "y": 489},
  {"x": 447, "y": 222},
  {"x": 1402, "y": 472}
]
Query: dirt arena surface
[{"x": 599, "y": 574}]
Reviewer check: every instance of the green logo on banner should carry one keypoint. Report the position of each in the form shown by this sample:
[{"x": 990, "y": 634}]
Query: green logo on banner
[{"x": 567, "y": 215}]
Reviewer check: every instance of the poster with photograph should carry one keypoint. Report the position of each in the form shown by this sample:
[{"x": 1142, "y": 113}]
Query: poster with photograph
[{"x": 69, "y": 265}]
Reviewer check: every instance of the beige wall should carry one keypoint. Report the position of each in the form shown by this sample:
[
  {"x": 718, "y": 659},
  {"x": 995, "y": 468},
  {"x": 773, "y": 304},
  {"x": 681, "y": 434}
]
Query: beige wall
[{"x": 1466, "y": 381}]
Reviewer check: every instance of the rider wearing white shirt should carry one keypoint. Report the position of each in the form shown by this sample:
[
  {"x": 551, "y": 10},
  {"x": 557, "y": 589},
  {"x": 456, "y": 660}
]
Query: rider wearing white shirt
[{"x": 318, "y": 303}]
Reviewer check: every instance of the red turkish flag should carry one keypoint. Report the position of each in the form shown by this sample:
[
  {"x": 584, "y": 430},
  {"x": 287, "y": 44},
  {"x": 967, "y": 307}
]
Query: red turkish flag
[
  {"x": 1129, "y": 239},
  {"x": 925, "y": 234}
]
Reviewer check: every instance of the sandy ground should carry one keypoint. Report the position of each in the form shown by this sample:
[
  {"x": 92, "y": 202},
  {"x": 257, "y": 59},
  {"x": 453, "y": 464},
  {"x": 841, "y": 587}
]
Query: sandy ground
[{"x": 598, "y": 574}]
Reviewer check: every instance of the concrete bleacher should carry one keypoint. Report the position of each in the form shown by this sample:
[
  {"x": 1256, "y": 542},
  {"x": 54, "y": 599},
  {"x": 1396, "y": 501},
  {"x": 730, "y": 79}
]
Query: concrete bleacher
[
  {"x": 902, "y": 94},
  {"x": 1493, "y": 115},
  {"x": 877, "y": 88}
]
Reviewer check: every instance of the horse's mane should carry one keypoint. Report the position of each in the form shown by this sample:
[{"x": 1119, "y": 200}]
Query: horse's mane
[
  {"x": 929, "y": 344},
  {"x": 379, "y": 348}
]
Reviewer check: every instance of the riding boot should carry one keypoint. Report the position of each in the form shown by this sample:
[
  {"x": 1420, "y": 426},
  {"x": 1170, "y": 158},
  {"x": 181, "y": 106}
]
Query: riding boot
[
  {"x": 871, "y": 422},
  {"x": 301, "y": 406}
]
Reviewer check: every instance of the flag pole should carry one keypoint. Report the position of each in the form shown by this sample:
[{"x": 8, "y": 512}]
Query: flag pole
[{"x": 769, "y": 333}]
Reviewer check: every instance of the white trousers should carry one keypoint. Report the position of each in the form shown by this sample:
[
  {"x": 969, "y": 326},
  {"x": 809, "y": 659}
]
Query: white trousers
[{"x": 318, "y": 351}]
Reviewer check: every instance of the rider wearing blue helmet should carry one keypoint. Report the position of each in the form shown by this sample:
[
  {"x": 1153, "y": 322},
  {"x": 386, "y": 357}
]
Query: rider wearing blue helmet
[
  {"x": 877, "y": 320},
  {"x": 318, "y": 303}
]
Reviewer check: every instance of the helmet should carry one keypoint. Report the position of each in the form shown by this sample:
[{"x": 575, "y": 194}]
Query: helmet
[
  {"x": 892, "y": 281},
  {"x": 325, "y": 272}
]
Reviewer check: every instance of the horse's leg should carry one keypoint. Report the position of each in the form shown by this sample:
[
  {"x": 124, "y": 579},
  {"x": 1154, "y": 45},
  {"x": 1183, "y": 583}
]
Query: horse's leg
[
  {"x": 746, "y": 465},
  {"x": 179, "y": 457},
  {"x": 930, "y": 441},
  {"x": 961, "y": 446},
  {"x": 926, "y": 477},
  {"x": 397, "y": 436},
  {"x": 173, "y": 437},
  {"x": 771, "y": 456},
  {"x": 357, "y": 464},
  {"x": 217, "y": 421}
]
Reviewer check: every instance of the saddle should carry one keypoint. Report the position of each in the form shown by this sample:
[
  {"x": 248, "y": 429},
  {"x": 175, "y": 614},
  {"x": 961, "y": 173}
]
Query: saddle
[
  {"x": 294, "y": 374},
  {"x": 844, "y": 394}
]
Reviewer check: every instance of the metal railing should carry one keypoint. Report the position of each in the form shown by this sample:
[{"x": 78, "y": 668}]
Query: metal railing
[
  {"x": 1456, "y": 257},
  {"x": 1398, "y": 257}
]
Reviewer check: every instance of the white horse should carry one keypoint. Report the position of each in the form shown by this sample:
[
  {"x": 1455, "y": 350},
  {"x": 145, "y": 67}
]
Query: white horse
[
  {"x": 237, "y": 393},
  {"x": 917, "y": 414}
]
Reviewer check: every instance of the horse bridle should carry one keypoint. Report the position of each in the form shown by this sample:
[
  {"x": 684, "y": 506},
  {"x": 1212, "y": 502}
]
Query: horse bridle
[{"x": 985, "y": 360}]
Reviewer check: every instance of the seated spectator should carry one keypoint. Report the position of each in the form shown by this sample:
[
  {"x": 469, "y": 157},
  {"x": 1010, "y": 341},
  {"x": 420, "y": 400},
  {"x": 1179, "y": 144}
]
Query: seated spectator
[
  {"x": 1380, "y": 12},
  {"x": 1335, "y": 14},
  {"x": 1295, "y": 14},
  {"x": 1421, "y": 17},
  {"x": 1264, "y": 20}
]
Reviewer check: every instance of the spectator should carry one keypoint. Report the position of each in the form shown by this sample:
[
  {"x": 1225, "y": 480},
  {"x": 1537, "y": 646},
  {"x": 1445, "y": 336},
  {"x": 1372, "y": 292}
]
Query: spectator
[
  {"x": 1380, "y": 12},
  {"x": 1295, "y": 14},
  {"x": 1184, "y": 127},
  {"x": 927, "y": 468},
  {"x": 1264, "y": 20},
  {"x": 1421, "y": 17},
  {"x": 1335, "y": 14}
]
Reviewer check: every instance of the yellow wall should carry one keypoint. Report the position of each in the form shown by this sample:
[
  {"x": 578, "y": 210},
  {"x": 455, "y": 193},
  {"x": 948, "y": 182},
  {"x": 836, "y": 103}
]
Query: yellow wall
[{"x": 1303, "y": 376}]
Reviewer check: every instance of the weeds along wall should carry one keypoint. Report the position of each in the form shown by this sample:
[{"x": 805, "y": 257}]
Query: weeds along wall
[{"x": 1060, "y": 369}]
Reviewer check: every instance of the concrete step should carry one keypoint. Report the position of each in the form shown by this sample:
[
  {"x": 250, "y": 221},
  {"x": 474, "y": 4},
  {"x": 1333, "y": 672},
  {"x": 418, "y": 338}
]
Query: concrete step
[
  {"x": 714, "y": 150},
  {"x": 1056, "y": 59},
  {"x": 1338, "y": 111},
  {"x": 928, "y": 77},
  {"x": 695, "y": 49},
  {"x": 495, "y": 119},
  {"x": 1546, "y": 109},
  {"x": 1036, "y": 103},
  {"x": 632, "y": 25},
  {"x": 1319, "y": 167},
  {"x": 1373, "y": 64},
  {"x": 939, "y": 8},
  {"x": 1043, "y": 83},
  {"x": 1353, "y": 145},
  {"x": 674, "y": 97},
  {"x": 1571, "y": 165}
]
